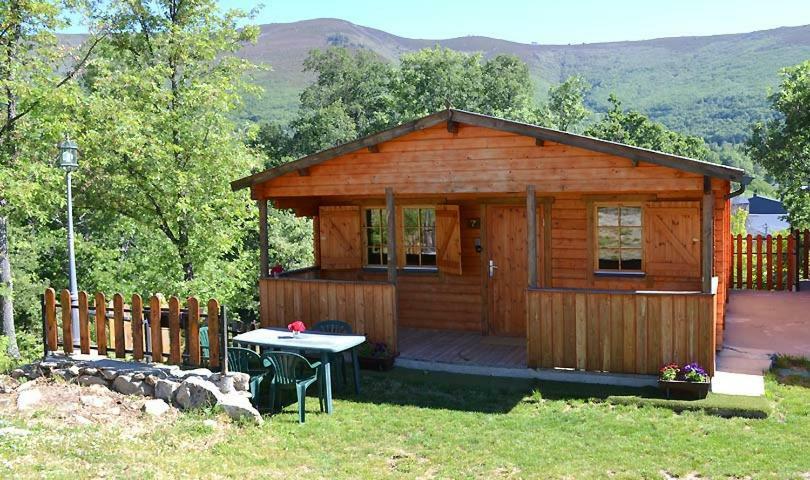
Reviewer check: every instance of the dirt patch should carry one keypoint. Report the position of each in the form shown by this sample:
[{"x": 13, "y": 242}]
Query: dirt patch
[{"x": 71, "y": 404}]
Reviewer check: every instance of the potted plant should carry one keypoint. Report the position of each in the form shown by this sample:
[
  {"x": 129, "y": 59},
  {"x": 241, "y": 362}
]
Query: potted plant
[
  {"x": 691, "y": 379},
  {"x": 375, "y": 356}
]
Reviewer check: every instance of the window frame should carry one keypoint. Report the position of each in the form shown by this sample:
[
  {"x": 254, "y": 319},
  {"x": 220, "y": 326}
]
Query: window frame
[
  {"x": 594, "y": 231},
  {"x": 401, "y": 239},
  {"x": 366, "y": 227}
]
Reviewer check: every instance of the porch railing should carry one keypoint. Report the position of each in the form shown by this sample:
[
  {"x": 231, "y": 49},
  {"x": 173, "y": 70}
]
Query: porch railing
[
  {"x": 369, "y": 307},
  {"x": 618, "y": 331},
  {"x": 134, "y": 330},
  {"x": 770, "y": 262}
]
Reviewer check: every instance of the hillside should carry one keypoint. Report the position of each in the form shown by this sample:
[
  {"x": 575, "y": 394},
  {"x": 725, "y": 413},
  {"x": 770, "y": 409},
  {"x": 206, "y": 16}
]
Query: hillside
[{"x": 712, "y": 86}]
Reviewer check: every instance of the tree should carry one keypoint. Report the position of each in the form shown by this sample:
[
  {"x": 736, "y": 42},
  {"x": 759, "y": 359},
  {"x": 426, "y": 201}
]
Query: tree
[
  {"x": 566, "y": 104},
  {"x": 161, "y": 146},
  {"x": 633, "y": 128},
  {"x": 782, "y": 145},
  {"x": 37, "y": 94}
]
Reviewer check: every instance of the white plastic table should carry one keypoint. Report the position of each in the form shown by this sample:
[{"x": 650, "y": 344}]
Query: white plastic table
[{"x": 325, "y": 343}]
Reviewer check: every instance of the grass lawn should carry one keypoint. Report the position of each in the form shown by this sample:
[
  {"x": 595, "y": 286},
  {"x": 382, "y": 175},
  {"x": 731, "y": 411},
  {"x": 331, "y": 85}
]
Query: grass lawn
[{"x": 410, "y": 424}]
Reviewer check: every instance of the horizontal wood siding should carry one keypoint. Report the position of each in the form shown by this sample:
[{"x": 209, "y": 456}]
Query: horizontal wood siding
[
  {"x": 619, "y": 332},
  {"x": 370, "y": 308}
]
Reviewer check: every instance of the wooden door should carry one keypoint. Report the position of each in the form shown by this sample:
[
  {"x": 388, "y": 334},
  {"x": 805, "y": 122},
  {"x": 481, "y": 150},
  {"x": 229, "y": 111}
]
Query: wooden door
[{"x": 507, "y": 281}]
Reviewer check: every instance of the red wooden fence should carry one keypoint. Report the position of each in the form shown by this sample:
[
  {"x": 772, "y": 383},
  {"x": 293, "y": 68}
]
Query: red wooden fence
[
  {"x": 770, "y": 262},
  {"x": 134, "y": 331}
]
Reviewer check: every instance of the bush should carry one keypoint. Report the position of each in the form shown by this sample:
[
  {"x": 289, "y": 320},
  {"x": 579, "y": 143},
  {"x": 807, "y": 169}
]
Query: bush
[{"x": 30, "y": 345}]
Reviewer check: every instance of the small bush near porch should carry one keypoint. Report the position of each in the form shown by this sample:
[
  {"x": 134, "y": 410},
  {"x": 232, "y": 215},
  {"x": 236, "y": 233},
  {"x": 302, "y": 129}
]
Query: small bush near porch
[{"x": 414, "y": 425}]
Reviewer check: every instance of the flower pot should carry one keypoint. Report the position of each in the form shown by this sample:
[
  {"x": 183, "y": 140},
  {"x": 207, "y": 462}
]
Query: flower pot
[
  {"x": 381, "y": 364},
  {"x": 697, "y": 390}
]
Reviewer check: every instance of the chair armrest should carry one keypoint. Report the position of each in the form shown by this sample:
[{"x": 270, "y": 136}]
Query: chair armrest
[{"x": 315, "y": 365}]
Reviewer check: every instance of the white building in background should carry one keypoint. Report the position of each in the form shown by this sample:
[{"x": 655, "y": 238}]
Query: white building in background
[{"x": 765, "y": 215}]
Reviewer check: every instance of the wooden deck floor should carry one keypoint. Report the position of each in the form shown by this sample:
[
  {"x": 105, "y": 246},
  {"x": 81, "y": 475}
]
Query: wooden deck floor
[{"x": 467, "y": 348}]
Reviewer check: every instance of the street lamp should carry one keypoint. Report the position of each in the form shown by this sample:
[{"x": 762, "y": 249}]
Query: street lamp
[{"x": 69, "y": 162}]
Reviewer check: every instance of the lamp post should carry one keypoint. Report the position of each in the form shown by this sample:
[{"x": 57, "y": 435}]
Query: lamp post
[{"x": 69, "y": 162}]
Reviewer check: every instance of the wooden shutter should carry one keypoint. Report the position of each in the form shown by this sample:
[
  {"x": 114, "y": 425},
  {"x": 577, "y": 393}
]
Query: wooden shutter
[
  {"x": 672, "y": 239},
  {"x": 448, "y": 239},
  {"x": 341, "y": 243}
]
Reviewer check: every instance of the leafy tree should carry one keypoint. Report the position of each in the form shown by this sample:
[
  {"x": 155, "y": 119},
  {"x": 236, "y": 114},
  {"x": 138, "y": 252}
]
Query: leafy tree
[
  {"x": 161, "y": 148},
  {"x": 738, "y": 221},
  {"x": 633, "y": 128},
  {"x": 782, "y": 145},
  {"x": 566, "y": 104},
  {"x": 37, "y": 98}
]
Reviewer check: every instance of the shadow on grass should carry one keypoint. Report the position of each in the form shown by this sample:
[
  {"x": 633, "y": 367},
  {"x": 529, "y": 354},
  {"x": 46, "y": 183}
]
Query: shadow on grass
[{"x": 472, "y": 393}]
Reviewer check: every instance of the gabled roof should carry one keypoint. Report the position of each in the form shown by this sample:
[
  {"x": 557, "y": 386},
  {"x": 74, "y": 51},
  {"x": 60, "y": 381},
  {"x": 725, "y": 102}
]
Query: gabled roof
[
  {"x": 469, "y": 118},
  {"x": 765, "y": 205}
]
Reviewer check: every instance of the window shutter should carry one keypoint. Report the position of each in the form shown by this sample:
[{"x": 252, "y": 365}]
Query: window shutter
[
  {"x": 448, "y": 239},
  {"x": 341, "y": 240},
  {"x": 672, "y": 239}
]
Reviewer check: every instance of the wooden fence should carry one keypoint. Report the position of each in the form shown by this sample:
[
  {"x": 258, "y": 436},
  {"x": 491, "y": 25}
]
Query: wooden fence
[
  {"x": 136, "y": 331},
  {"x": 369, "y": 307},
  {"x": 620, "y": 332},
  {"x": 770, "y": 262}
]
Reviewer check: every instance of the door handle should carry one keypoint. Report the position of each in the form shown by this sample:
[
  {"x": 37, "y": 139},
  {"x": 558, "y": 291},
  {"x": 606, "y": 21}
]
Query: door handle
[{"x": 492, "y": 268}]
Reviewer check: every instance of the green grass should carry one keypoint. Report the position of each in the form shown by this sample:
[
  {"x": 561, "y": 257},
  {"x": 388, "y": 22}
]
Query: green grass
[
  {"x": 714, "y": 404},
  {"x": 409, "y": 424}
]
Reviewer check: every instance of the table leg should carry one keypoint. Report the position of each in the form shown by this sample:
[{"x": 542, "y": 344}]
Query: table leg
[
  {"x": 327, "y": 380},
  {"x": 356, "y": 368}
]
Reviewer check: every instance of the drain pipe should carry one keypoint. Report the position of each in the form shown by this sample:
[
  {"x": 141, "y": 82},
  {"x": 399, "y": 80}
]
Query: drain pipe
[{"x": 744, "y": 182}]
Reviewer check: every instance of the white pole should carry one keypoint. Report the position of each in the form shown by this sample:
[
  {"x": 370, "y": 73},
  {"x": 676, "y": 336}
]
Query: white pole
[{"x": 74, "y": 290}]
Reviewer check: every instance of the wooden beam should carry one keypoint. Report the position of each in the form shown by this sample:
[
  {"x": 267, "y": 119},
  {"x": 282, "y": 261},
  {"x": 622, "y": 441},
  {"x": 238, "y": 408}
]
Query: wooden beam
[
  {"x": 390, "y": 210},
  {"x": 707, "y": 235},
  {"x": 531, "y": 227},
  {"x": 547, "y": 265},
  {"x": 374, "y": 148},
  {"x": 264, "y": 248},
  {"x": 452, "y": 126},
  {"x": 539, "y": 142},
  {"x": 303, "y": 172}
]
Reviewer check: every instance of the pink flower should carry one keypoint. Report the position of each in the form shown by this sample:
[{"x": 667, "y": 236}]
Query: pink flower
[{"x": 297, "y": 326}]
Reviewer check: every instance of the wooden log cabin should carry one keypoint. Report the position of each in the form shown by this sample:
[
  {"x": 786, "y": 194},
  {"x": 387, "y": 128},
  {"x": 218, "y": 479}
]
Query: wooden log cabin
[{"x": 583, "y": 253}]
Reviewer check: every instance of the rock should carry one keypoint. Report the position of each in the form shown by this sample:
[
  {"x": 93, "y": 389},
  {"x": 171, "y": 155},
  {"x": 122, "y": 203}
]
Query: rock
[
  {"x": 151, "y": 380},
  {"x": 241, "y": 381},
  {"x": 164, "y": 389},
  {"x": 74, "y": 371},
  {"x": 87, "y": 380},
  {"x": 89, "y": 371},
  {"x": 238, "y": 407},
  {"x": 7, "y": 431},
  {"x": 197, "y": 372},
  {"x": 48, "y": 367},
  {"x": 225, "y": 384},
  {"x": 210, "y": 423},
  {"x": 17, "y": 373},
  {"x": 94, "y": 401},
  {"x": 27, "y": 385},
  {"x": 28, "y": 399},
  {"x": 127, "y": 385},
  {"x": 82, "y": 420},
  {"x": 138, "y": 376},
  {"x": 156, "y": 407},
  {"x": 195, "y": 392},
  {"x": 8, "y": 384},
  {"x": 109, "y": 374}
]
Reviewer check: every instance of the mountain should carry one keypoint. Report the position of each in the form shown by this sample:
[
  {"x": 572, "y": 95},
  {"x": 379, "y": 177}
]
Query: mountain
[{"x": 712, "y": 86}]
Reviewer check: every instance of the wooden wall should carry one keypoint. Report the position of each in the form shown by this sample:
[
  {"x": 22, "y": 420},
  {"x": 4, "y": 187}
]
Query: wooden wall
[
  {"x": 370, "y": 308},
  {"x": 619, "y": 332}
]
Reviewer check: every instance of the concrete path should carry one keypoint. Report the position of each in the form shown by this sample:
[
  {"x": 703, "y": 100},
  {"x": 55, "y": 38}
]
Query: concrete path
[{"x": 759, "y": 324}]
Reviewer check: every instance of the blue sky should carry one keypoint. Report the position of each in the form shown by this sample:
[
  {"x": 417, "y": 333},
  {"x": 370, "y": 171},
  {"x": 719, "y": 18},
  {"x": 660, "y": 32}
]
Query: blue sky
[{"x": 543, "y": 21}]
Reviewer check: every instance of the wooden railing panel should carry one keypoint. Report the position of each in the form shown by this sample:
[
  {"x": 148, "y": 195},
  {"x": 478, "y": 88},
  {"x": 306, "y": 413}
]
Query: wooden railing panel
[
  {"x": 370, "y": 308},
  {"x": 193, "y": 331},
  {"x": 137, "y": 327},
  {"x": 620, "y": 332},
  {"x": 174, "y": 331},
  {"x": 84, "y": 323},
  {"x": 51, "y": 334},
  {"x": 155, "y": 330},
  {"x": 118, "y": 326},
  {"x": 100, "y": 305},
  {"x": 67, "y": 334},
  {"x": 213, "y": 333},
  {"x": 769, "y": 262}
]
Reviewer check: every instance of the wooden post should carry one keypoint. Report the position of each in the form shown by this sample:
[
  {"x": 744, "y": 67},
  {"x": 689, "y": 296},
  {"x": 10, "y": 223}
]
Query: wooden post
[
  {"x": 264, "y": 249},
  {"x": 392, "y": 235},
  {"x": 531, "y": 224},
  {"x": 707, "y": 235}
]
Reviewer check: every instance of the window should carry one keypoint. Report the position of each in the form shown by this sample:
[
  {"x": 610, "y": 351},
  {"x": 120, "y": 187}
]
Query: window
[
  {"x": 618, "y": 246},
  {"x": 419, "y": 228},
  {"x": 376, "y": 226}
]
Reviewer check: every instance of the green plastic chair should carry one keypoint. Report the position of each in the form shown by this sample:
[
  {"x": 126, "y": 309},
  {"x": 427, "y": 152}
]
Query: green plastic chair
[
  {"x": 335, "y": 327},
  {"x": 293, "y": 371},
  {"x": 247, "y": 361},
  {"x": 204, "y": 345}
]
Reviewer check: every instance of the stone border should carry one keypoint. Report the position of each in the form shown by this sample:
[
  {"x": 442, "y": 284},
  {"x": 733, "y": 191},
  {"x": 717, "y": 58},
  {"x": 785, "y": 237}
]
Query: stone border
[{"x": 184, "y": 389}]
